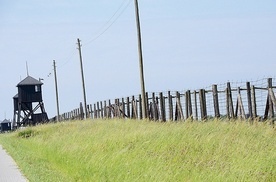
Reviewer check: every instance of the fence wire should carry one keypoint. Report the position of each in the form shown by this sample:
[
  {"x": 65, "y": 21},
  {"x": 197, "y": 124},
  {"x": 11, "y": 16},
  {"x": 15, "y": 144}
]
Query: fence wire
[{"x": 175, "y": 108}]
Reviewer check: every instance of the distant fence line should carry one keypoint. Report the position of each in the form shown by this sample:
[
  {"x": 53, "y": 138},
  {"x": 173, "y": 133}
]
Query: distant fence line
[{"x": 244, "y": 100}]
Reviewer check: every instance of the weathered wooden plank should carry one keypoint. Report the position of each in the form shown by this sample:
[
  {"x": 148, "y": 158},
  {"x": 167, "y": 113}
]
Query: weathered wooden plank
[
  {"x": 104, "y": 109},
  {"x": 162, "y": 107},
  {"x": 119, "y": 115},
  {"x": 101, "y": 105},
  {"x": 272, "y": 97},
  {"x": 157, "y": 113},
  {"x": 254, "y": 102},
  {"x": 230, "y": 100},
  {"x": 266, "y": 108},
  {"x": 170, "y": 102},
  {"x": 240, "y": 107},
  {"x": 117, "y": 108},
  {"x": 273, "y": 100},
  {"x": 187, "y": 106},
  {"x": 195, "y": 106},
  {"x": 249, "y": 100},
  {"x": 134, "y": 108},
  {"x": 190, "y": 107},
  {"x": 90, "y": 111},
  {"x": 140, "y": 107},
  {"x": 216, "y": 101},
  {"x": 271, "y": 110},
  {"x": 147, "y": 105},
  {"x": 128, "y": 107},
  {"x": 178, "y": 109},
  {"x": 153, "y": 111},
  {"x": 109, "y": 115},
  {"x": 123, "y": 107},
  {"x": 98, "y": 110},
  {"x": 202, "y": 104}
]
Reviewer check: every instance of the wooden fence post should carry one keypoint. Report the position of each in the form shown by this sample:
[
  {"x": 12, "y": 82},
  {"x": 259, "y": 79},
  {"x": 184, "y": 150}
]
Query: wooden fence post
[
  {"x": 239, "y": 106},
  {"x": 104, "y": 110},
  {"x": 90, "y": 111},
  {"x": 170, "y": 102},
  {"x": 109, "y": 114},
  {"x": 272, "y": 97},
  {"x": 188, "y": 103},
  {"x": 271, "y": 110},
  {"x": 203, "y": 108},
  {"x": 117, "y": 108},
  {"x": 140, "y": 107},
  {"x": 98, "y": 110},
  {"x": 254, "y": 103},
  {"x": 101, "y": 104},
  {"x": 216, "y": 101},
  {"x": 157, "y": 113},
  {"x": 229, "y": 101},
  {"x": 134, "y": 108},
  {"x": 81, "y": 114},
  {"x": 95, "y": 112},
  {"x": 128, "y": 107},
  {"x": 249, "y": 100},
  {"x": 162, "y": 107},
  {"x": 273, "y": 100},
  {"x": 178, "y": 108},
  {"x": 123, "y": 108},
  {"x": 190, "y": 106},
  {"x": 196, "y": 111},
  {"x": 153, "y": 111},
  {"x": 147, "y": 104},
  {"x": 269, "y": 105}
]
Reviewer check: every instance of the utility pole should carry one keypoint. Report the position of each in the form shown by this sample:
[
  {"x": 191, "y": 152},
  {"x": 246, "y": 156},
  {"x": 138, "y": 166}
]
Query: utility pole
[
  {"x": 56, "y": 85},
  {"x": 142, "y": 82},
  {"x": 82, "y": 76}
]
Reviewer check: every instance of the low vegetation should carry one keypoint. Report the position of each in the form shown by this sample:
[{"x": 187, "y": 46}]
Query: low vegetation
[{"x": 129, "y": 150}]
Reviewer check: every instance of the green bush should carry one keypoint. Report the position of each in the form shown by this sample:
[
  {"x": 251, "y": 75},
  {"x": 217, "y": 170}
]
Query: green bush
[{"x": 26, "y": 133}]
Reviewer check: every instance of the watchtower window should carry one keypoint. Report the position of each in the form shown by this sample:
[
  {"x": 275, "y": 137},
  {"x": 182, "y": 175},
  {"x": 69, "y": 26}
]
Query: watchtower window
[{"x": 37, "y": 88}]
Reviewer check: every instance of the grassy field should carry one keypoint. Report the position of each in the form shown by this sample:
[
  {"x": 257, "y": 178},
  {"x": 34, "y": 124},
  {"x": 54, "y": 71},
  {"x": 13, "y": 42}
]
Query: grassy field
[{"x": 129, "y": 150}]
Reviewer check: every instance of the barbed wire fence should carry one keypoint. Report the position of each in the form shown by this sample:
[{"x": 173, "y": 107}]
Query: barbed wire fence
[{"x": 243, "y": 99}]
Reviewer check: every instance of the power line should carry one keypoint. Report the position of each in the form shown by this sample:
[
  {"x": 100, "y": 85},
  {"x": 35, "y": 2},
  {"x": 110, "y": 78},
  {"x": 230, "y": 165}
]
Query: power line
[
  {"x": 116, "y": 18},
  {"x": 113, "y": 15},
  {"x": 68, "y": 59},
  {"x": 120, "y": 10}
]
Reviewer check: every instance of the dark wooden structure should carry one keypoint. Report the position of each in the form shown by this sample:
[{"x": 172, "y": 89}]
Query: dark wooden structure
[
  {"x": 27, "y": 103},
  {"x": 6, "y": 125}
]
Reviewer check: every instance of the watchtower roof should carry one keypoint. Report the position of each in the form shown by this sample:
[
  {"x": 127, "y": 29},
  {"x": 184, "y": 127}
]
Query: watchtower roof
[
  {"x": 29, "y": 81},
  {"x": 6, "y": 121}
]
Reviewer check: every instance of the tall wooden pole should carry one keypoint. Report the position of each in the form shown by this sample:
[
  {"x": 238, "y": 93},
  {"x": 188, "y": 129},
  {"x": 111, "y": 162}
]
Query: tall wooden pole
[
  {"x": 82, "y": 76},
  {"x": 142, "y": 82},
  {"x": 56, "y": 85}
]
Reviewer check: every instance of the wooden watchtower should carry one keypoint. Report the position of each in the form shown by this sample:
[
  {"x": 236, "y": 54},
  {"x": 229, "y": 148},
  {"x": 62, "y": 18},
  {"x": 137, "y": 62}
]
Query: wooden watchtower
[{"x": 28, "y": 104}]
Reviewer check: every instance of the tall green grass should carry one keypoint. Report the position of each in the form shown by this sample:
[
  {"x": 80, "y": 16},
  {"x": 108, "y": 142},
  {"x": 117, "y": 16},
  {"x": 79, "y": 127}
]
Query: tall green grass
[{"x": 129, "y": 150}]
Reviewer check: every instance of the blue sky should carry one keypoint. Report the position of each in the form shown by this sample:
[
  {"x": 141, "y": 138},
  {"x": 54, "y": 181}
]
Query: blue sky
[{"x": 186, "y": 45}]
